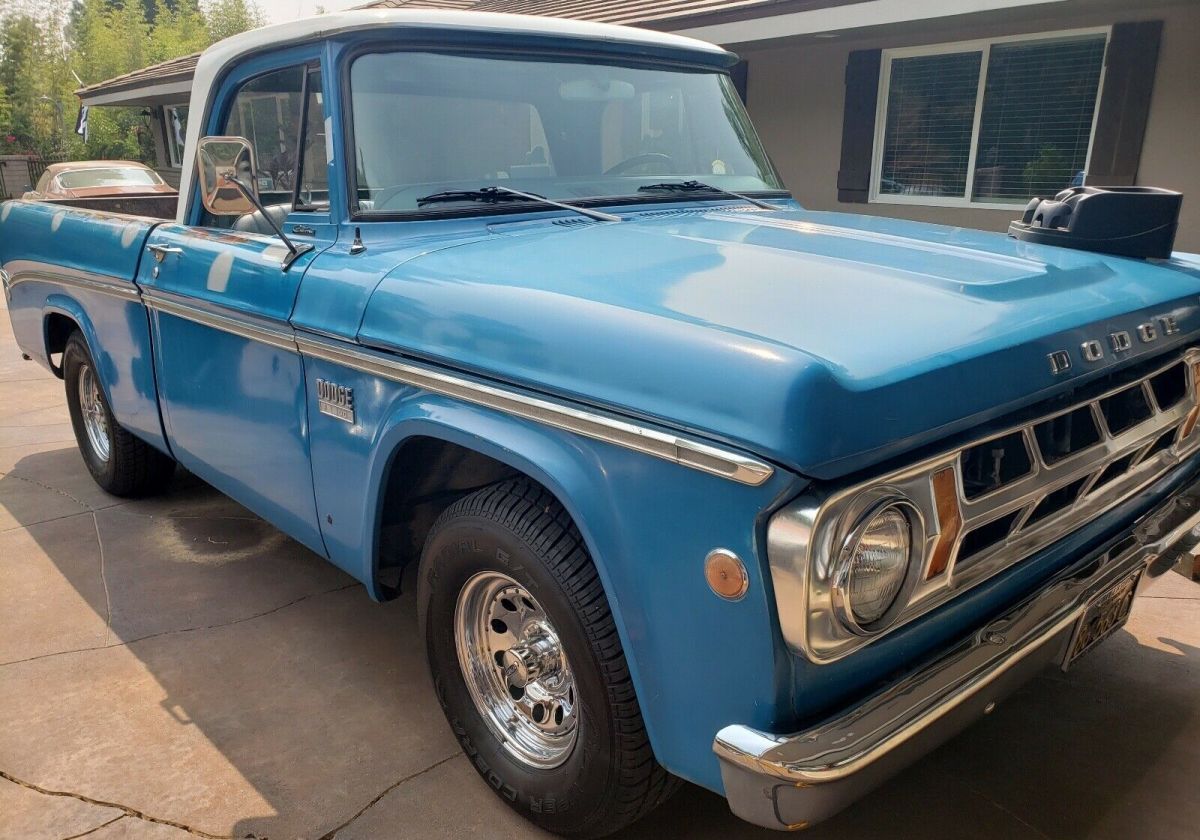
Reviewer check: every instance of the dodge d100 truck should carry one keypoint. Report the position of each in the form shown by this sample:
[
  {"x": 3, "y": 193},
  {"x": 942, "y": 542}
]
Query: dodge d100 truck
[{"x": 696, "y": 484}]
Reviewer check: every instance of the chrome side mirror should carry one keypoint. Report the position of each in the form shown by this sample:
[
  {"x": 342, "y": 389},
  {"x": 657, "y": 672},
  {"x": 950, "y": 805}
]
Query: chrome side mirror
[{"x": 222, "y": 161}]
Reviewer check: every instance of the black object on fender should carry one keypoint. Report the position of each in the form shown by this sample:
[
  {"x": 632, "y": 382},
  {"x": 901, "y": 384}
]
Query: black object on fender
[{"x": 1126, "y": 221}]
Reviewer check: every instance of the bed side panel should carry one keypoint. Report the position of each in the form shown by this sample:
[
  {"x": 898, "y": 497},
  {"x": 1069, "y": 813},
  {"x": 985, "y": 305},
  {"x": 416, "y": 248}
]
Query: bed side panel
[{"x": 80, "y": 264}]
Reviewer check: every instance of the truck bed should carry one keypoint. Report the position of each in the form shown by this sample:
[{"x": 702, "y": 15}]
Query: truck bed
[
  {"x": 65, "y": 263},
  {"x": 156, "y": 206}
]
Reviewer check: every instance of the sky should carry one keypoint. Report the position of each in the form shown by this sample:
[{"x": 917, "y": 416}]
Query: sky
[{"x": 278, "y": 11}]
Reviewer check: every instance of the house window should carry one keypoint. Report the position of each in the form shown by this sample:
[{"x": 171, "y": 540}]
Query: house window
[{"x": 987, "y": 124}]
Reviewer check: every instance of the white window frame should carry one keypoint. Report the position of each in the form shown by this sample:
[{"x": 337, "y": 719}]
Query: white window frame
[{"x": 983, "y": 46}]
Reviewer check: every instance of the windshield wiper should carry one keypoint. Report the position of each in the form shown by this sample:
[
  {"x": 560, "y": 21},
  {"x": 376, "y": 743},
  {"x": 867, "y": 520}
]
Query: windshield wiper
[
  {"x": 497, "y": 194},
  {"x": 698, "y": 186}
]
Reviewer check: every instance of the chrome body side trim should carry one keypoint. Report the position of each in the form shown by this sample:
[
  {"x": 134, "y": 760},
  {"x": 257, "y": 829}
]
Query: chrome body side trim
[
  {"x": 282, "y": 339},
  {"x": 690, "y": 453},
  {"x": 804, "y": 539},
  {"x": 788, "y": 781},
  {"x": 591, "y": 424},
  {"x": 680, "y": 450},
  {"x": 27, "y": 271}
]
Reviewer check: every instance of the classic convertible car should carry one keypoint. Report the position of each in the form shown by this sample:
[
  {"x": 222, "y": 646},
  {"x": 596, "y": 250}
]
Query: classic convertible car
[{"x": 698, "y": 484}]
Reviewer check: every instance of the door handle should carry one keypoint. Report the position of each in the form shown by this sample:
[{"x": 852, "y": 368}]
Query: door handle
[{"x": 160, "y": 251}]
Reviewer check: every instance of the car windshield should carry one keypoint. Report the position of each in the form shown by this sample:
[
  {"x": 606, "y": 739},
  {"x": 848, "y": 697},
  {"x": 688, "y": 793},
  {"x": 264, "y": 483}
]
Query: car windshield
[
  {"x": 109, "y": 176},
  {"x": 428, "y": 123}
]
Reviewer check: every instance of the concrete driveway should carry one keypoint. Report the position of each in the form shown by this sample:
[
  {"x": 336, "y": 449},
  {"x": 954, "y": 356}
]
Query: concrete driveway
[{"x": 177, "y": 668}]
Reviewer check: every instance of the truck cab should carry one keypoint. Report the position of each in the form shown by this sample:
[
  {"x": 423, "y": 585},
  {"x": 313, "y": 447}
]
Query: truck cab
[{"x": 697, "y": 484}]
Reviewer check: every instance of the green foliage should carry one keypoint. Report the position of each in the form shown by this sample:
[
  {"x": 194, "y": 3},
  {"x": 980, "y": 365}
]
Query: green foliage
[
  {"x": 1048, "y": 173},
  {"x": 229, "y": 17},
  {"x": 48, "y": 50}
]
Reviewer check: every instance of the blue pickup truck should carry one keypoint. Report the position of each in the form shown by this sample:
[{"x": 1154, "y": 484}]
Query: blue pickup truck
[{"x": 696, "y": 484}]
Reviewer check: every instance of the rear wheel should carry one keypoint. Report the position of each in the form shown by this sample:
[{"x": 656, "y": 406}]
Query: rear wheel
[
  {"x": 119, "y": 462},
  {"x": 528, "y": 667}
]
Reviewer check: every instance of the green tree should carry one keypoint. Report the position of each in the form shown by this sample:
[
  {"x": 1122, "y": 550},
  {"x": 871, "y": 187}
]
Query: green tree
[
  {"x": 229, "y": 17},
  {"x": 49, "y": 48},
  {"x": 178, "y": 29},
  {"x": 21, "y": 47}
]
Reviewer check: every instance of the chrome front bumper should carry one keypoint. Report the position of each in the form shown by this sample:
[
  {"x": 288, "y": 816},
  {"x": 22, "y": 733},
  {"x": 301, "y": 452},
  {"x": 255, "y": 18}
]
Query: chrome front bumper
[{"x": 794, "y": 781}]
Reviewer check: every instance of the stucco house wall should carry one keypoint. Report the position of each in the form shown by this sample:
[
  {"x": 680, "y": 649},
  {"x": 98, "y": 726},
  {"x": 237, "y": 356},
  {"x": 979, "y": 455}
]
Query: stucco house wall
[{"x": 797, "y": 97}]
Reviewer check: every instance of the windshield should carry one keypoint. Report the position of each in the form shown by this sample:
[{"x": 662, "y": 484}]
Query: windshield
[
  {"x": 113, "y": 176},
  {"x": 426, "y": 123}
]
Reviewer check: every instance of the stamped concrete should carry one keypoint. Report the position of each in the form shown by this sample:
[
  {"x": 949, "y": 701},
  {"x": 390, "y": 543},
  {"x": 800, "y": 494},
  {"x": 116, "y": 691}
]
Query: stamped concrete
[{"x": 175, "y": 668}]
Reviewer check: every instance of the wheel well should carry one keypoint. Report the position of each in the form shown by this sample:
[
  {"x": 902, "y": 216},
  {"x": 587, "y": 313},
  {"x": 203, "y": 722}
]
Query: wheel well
[
  {"x": 58, "y": 329},
  {"x": 426, "y": 476}
]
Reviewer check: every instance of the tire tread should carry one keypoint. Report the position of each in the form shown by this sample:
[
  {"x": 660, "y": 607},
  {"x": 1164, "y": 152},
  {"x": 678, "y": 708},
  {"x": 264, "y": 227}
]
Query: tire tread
[
  {"x": 532, "y": 513},
  {"x": 138, "y": 468}
]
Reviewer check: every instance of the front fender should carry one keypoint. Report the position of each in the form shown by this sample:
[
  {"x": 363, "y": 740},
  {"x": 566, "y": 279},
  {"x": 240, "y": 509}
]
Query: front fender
[{"x": 697, "y": 661}]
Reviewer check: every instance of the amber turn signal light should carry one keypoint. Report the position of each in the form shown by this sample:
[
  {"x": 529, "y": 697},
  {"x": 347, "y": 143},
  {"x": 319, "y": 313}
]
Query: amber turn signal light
[
  {"x": 945, "y": 498},
  {"x": 1189, "y": 422},
  {"x": 726, "y": 574}
]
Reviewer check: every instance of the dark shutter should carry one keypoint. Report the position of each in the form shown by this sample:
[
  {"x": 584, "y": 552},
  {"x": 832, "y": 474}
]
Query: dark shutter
[
  {"x": 741, "y": 76},
  {"x": 1125, "y": 103},
  {"x": 858, "y": 125}
]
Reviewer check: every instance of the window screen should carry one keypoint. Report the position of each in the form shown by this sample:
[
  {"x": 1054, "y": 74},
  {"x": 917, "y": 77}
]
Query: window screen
[
  {"x": 1038, "y": 107},
  {"x": 930, "y": 117},
  {"x": 997, "y": 123}
]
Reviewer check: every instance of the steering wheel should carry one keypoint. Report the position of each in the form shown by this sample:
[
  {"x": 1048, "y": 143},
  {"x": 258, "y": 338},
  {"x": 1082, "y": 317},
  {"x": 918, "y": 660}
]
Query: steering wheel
[{"x": 637, "y": 160}]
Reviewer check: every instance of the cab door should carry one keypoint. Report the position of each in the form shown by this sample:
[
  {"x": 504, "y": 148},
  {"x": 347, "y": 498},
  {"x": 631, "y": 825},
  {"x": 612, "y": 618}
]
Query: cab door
[{"x": 230, "y": 378}]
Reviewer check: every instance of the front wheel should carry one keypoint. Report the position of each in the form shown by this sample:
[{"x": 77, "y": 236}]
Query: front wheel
[
  {"x": 120, "y": 463},
  {"x": 528, "y": 667}
]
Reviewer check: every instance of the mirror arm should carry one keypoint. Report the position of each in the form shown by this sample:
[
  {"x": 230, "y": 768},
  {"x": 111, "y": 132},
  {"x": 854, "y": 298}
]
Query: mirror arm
[{"x": 294, "y": 250}]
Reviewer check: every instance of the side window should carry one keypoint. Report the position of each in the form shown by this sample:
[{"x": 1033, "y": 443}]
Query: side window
[{"x": 267, "y": 112}]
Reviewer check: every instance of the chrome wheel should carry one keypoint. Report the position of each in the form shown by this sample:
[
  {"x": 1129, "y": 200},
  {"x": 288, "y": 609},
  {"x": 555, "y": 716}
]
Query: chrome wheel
[
  {"x": 91, "y": 406},
  {"x": 516, "y": 670}
]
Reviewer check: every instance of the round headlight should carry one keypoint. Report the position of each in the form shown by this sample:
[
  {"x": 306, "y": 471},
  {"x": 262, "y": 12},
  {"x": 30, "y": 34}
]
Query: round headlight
[{"x": 877, "y": 564}]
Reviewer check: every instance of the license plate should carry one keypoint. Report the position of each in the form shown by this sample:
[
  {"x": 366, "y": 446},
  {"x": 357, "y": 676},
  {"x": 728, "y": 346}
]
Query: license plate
[{"x": 1105, "y": 615}]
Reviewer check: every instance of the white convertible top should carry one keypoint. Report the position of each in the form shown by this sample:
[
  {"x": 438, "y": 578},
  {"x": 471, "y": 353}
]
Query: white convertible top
[{"x": 220, "y": 54}]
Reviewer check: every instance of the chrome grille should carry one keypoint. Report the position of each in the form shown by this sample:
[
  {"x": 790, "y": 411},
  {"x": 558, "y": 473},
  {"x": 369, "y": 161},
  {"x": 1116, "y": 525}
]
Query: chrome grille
[
  {"x": 1031, "y": 485},
  {"x": 983, "y": 507}
]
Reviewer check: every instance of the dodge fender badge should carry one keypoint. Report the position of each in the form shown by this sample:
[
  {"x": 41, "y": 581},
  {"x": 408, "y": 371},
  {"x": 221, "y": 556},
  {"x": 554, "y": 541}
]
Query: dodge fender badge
[{"x": 335, "y": 400}]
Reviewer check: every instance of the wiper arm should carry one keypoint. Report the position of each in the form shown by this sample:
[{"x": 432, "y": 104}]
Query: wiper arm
[
  {"x": 496, "y": 194},
  {"x": 698, "y": 186},
  {"x": 487, "y": 194}
]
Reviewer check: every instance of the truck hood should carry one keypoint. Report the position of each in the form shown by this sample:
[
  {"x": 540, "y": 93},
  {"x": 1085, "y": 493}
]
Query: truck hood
[{"x": 825, "y": 342}]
